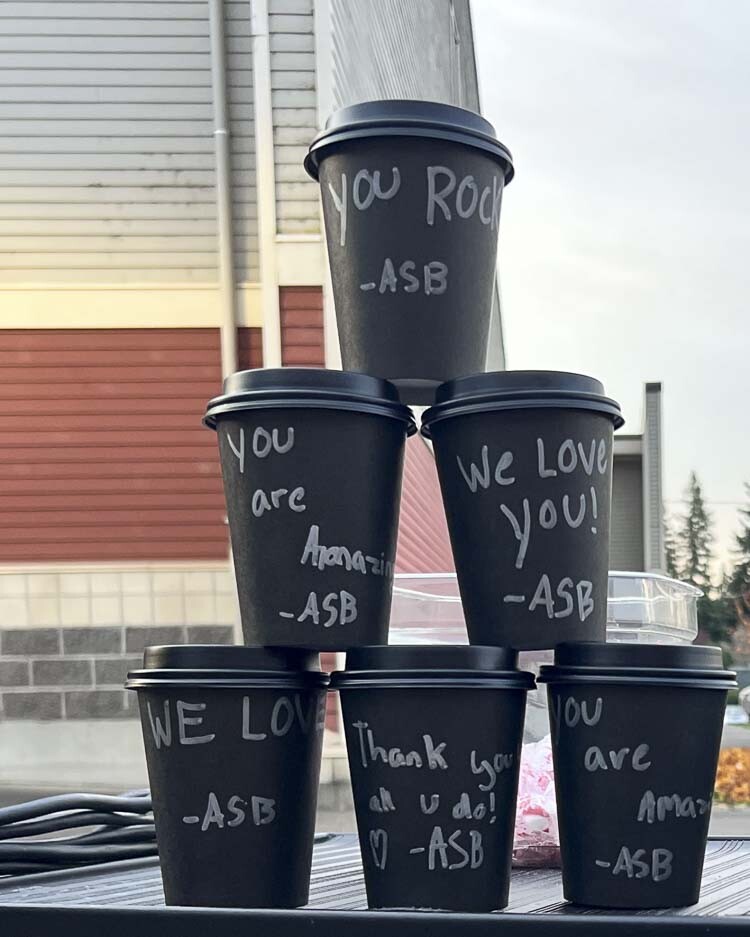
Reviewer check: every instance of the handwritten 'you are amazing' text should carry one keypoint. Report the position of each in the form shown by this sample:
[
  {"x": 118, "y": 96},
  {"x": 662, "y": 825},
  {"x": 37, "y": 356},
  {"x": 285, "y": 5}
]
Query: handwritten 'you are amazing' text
[
  {"x": 323, "y": 608},
  {"x": 571, "y": 716}
]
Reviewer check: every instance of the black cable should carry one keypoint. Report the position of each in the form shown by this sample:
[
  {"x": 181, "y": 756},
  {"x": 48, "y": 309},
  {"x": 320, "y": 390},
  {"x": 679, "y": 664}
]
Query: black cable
[
  {"x": 131, "y": 834},
  {"x": 118, "y": 828},
  {"x": 26, "y": 868},
  {"x": 70, "y": 821},
  {"x": 49, "y": 853},
  {"x": 31, "y": 868},
  {"x": 61, "y": 802}
]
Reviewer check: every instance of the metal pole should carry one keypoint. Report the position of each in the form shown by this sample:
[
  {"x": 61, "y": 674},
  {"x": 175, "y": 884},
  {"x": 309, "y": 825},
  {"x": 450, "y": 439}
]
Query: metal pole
[{"x": 227, "y": 294}]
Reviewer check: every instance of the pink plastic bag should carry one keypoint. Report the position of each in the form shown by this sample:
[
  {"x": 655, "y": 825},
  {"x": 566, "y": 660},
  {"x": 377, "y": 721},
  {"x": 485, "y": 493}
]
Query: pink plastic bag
[{"x": 536, "y": 843}]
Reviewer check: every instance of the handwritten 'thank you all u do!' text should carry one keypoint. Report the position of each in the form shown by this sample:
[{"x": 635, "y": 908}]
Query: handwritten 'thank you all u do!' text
[{"x": 456, "y": 840}]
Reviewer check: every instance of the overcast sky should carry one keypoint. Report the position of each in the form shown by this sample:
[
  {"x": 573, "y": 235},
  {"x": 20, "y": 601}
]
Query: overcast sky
[{"x": 625, "y": 234}]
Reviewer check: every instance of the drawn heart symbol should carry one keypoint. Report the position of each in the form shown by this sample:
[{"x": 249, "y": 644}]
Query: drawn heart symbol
[{"x": 379, "y": 847}]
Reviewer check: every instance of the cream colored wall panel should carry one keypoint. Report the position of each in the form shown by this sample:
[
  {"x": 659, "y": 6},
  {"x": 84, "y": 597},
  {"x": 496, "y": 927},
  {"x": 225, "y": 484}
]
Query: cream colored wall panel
[
  {"x": 300, "y": 262},
  {"x": 140, "y": 306}
]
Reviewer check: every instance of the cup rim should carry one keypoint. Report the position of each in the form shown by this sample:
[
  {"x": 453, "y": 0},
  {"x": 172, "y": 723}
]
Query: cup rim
[
  {"x": 432, "y": 679},
  {"x": 688, "y": 679},
  {"x": 226, "y": 679},
  {"x": 308, "y": 388},
  {"x": 407, "y": 118},
  {"x": 515, "y": 390},
  {"x": 240, "y": 403}
]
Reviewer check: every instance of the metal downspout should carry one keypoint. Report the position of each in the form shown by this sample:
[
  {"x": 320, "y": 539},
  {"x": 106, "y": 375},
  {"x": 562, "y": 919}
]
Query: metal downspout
[
  {"x": 265, "y": 173},
  {"x": 227, "y": 292}
]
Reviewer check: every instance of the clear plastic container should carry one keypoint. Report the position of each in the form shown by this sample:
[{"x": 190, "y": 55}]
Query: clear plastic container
[
  {"x": 641, "y": 607},
  {"x": 651, "y": 609}
]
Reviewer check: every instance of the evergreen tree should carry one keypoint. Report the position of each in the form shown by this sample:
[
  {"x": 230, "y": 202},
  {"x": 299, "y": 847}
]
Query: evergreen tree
[
  {"x": 695, "y": 538},
  {"x": 717, "y": 617},
  {"x": 717, "y": 614},
  {"x": 671, "y": 557},
  {"x": 740, "y": 581}
]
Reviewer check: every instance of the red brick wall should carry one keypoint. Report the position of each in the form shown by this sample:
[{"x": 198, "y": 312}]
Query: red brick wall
[
  {"x": 102, "y": 451},
  {"x": 302, "y": 326}
]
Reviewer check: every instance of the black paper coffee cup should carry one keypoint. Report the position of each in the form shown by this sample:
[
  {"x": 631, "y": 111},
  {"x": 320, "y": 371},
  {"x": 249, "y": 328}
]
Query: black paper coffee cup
[
  {"x": 233, "y": 740},
  {"x": 411, "y": 198},
  {"x": 433, "y": 736},
  {"x": 525, "y": 465},
  {"x": 312, "y": 462},
  {"x": 636, "y": 732}
]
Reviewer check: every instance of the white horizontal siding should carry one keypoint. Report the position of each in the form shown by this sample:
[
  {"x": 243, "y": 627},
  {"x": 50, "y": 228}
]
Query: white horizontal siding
[
  {"x": 106, "y": 142},
  {"x": 295, "y": 116}
]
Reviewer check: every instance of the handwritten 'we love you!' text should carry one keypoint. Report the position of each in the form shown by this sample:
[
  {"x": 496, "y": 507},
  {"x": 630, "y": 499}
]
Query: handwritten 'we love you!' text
[{"x": 527, "y": 518}]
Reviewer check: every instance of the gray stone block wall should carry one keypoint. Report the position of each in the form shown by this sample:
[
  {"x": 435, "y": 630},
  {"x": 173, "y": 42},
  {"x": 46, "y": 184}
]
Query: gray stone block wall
[{"x": 78, "y": 673}]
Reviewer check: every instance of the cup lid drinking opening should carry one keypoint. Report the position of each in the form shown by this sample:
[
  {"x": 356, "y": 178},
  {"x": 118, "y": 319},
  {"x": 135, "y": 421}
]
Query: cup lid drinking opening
[
  {"x": 426, "y": 665},
  {"x": 404, "y": 118},
  {"x": 316, "y": 388},
  {"x": 520, "y": 390},
  {"x": 227, "y": 665}
]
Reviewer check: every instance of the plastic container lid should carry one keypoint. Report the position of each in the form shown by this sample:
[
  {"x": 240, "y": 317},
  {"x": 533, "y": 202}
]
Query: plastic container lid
[
  {"x": 426, "y": 665},
  {"x": 647, "y": 607},
  {"x": 227, "y": 665},
  {"x": 520, "y": 390},
  {"x": 316, "y": 388},
  {"x": 401, "y": 118},
  {"x": 638, "y": 664}
]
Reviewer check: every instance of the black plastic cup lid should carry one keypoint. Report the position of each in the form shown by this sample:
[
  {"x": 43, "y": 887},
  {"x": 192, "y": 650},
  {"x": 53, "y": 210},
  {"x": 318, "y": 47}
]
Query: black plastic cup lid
[
  {"x": 227, "y": 665},
  {"x": 402, "y": 118},
  {"x": 520, "y": 390},
  {"x": 428, "y": 665},
  {"x": 316, "y": 388},
  {"x": 638, "y": 663}
]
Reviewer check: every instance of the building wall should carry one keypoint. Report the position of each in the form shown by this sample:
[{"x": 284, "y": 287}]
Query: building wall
[
  {"x": 403, "y": 49},
  {"x": 112, "y": 514},
  {"x": 626, "y": 534},
  {"x": 652, "y": 479}
]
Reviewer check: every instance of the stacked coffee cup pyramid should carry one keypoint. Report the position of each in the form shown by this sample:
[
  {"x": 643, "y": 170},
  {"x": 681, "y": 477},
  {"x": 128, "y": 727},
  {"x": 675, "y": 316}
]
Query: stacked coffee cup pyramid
[{"x": 312, "y": 462}]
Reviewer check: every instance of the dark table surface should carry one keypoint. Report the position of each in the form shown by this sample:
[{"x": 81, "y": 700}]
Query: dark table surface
[{"x": 127, "y": 898}]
